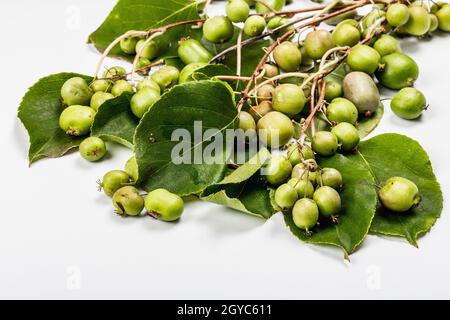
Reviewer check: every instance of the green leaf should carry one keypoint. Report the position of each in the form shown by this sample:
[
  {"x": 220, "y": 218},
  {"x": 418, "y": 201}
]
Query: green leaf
[
  {"x": 115, "y": 121},
  {"x": 367, "y": 125},
  {"x": 145, "y": 15},
  {"x": 40, "y": 110},
  {"x": 243, "y": 189},
  {"x": 389, "y": 155},
  {"x": 212, "y": 103},
  {"x": 359, "y": 200}
]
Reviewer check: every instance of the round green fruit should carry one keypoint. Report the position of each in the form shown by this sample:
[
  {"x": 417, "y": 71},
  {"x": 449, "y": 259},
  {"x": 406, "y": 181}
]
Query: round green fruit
[
  {"x": 265, "y": 92},
  {"x": 302, "y": 186},
  {"x": 121, "y": 87},
  {"x": 275, "y": 129},
  {"x": 305, "y": 214},
  {"x": 408, "y": 103},
  {"x": 387, "y": 44},
  {"x": 128, "y": 45},
  {"x": 128, "y": 201},
  {"x": 359, "y": 88},
  {"x": 364, "y": 58},
  {"x": 148, "y": 83},
  {"x": 260, "y": 110},
  {"x": 285, "y": 196},
  {"x": 188, "y": 70},
  {"x": 76, "y": 91},
  {"x": 192, "y": 51},
  {"x": 399, "y": 194},
  {"x": 419, "y": 21},
  {"x": 318, "y": 42},
  {"x": 443, "y": 16},
  {"x": 294, "y": 155},
  {"x": 330, "y": 177},
  {"x": 287, "y": 56},
  {"x": 92, "y": 149},
  {"x": 164, "y": 205},
  {"x": 333, "y": 90},
  {"x": 100, "y": 85},
  {"x": 100, "y": 98},
  {"x": 218, "y": 29},
  {"x": 113, "y": 181},
  {"x": 254, "y": 26},
  {"x": 324, "y": 143},
  {"x": 328, "y": 201},
  {"x": 77, "y": 120},
  {"x": 299, "y": 172},
  {"x": 434, "y": 23},
  {"x": 288, "y": 99},
  {"x": 270, "y": 71},
  {"x": 342, "y": 110},
  {"x": 237, "y": 10},
  {"x": 347, "y": 135},
  {"x": 277, "y": 170},
  {"x": 166, "y": 77},
  {"x": 346, "y": 35},
  {"x": 143, "y": 100},
  {"x": 276, "y": 5},
  {"x": 115, "y": 72},
  {"x": 150, "y": 51},
  {"x": 399, "y": 71},
  {"x": 397, "y": 14},
  {"x": 131, "y": 167},
  {"x": 246, "y": 121}
]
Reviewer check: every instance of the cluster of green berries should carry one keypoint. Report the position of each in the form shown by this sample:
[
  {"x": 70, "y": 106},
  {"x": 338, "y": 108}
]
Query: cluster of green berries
[
  {"x": 120, "y": 185},
  {"x": 302, "y": 186}
]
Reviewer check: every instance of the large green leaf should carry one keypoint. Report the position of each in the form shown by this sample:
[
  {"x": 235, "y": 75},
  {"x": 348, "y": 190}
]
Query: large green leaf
[
  {"x": 39, "y": 111},
  {"x": 390, "y": 155},
  {"x": 243, "y": 189},
  {"x": 144, "y": 15},
  {"x": 359, "y": 200},
  {"x": 212, "y": 103},
  {"x": 115, "y": 121}
]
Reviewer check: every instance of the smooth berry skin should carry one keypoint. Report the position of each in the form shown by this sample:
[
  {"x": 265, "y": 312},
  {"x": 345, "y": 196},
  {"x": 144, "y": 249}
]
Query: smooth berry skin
[
  {"x": 164, "y": 205},
  {"x": 347, "y": 135},
  {"x": 324, "y": 143},
  {"x": 418, "y": 23},
  {"x": 114, "y": 72},
  {"x": 166, "y": 77},
  {"x": 285, "y": 196},
  {"x": 408, "y": 103},
  {"x": 192, "y": 51},
  {"x": 148, "y": 83},
  {"x": 328, "y": 201},
  {"x": 330, "y": 177},
  {"x": 113, "y": 181},
  {"x": 100, "y": 98},
  {"x": 218, "y": 29},
  {"x": 399, "y": 71},
  {"x": 275, "y": 129},
  {"x": 265, "y": 92},
  {"x": 100, "y": 86},
  {"x": 443, "y": 16},
  {"x": 305, "y": 214},
  {"x": 387, "y": 44},
  {"x": 254, "y": 26},
  {"x": 246, "y": 121},
  {"x": 260, "y": 110},
  {"x": 342, "y": 110},
  {"x": 276, "y": 5},
  {"x": 128, "y": 201},
  {"x": 143, "y": 100},
  {"x": 359, "y": 88},
  {"x": 397, "y": 14},
  {"x": 434, "y": 23},
  {"x": 270, "y": 71},
  {"x": 289, "y": 99},
  {"x": 237, "y": 10},
  {"x": 399, "y": 194},
  {"x": 333, "y": 90},
  {"x": 346, "y": 35},
  {"x": 363, "y": 58},
  {"x": 131, "y": 167},
  {"x": 121, "y": 87},
  {"x": 128, "y": 45},
  {"x": 277, "y": 170},
  {"x": 287, "y": 56},
  {"x": 77, "y": 120},
  {"x": 150, "y": 51},
  {"x": 303, "y": 187},
  {"x": 318, "y": 42},
  {"x": 294, "y": 155},
  {"x": 93, "y": 149},
  {"x": 188, "y": 70},
  {"x": 299, "y": 172},
  {"x": 76, "y": 91}
]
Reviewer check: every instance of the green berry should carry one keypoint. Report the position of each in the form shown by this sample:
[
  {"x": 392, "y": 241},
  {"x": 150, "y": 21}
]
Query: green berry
[
  {"x": 443, "y": 16},
  {"x": 275, "y": 129},
  {"x": 254, "y": 26},
  {"x": 342, "y": 110},
  {"x": 397, "y": 14},
  {"x": 260, "y": 110},
  {"x": 324, "y": 143},
  {"x": 346, "y": 35},
  {"x": 302, "y": 186},
  {"x": 265, "y": 92},
  {"x": 270, "y": 71},
  {"x": 363, "y": 58},
  {"x": 188, "y": 70},
  {"x": 276, "y": 5},
  {"x": 399, "y": 71},
  {"x": 288, "y": 99},
  {"x": 305, "y": 214},
  {"x": 277, "y": 22},
  {"x": 285, "y": 196},
  {"x": 387, "y": 44},
  {"x": 121, "y": 87},
  {"x": 434, "y": 23},
  {"x": 370, "y": 19},
  {"x": 399, "y": 194},
  {"x": 150, "y": 51},
  {"x": 359, "y": 88},
  {"x": 307, "y": 61},
  {"x": 77, "y": 120},
  {"x": 141, "y": 65},
  {"x": 419, "y": 21},
  {"x": 115, "y": 72},
  {"x": 299, "y": 172},
  {"x": 100, "y": 98},
  {"x": 330, "y": 177},
  {"x": 218, "y": 29},
  {"x": 143, "y": 100},
  {"x": 237, "y": 10},
  {"x": 246, "y": 121},
  {"x": 128, "y": 45},
  {"x": 76, "y": 91},
  {"x": 294, "y": 155},
  {"x": 347, "y": 135},
  {"x": 287, "y": 56},
  {"x": 128, "y": 201},
  {"x": 100, "y": 85},
  {"x": 277, "y": 170},
  {"x": 318, "y": 42},
  {"x": 93, "y": 149},
  {"x": 148, "y": 83},
  {"x": 164, "y": 205},
  {"x": 408, "y": 103},
  {"x": 192, "y": 51},
  {"x": 328, "y": 201},
  {"x": 131, "y": 167},
  {"x": 333, "y": 89},
  {"x": 113, "y": 181},
  {"x": 166, "y": 77}
]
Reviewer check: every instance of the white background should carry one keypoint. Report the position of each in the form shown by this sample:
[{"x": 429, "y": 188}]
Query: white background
[{"x": 59, "y": 237}]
